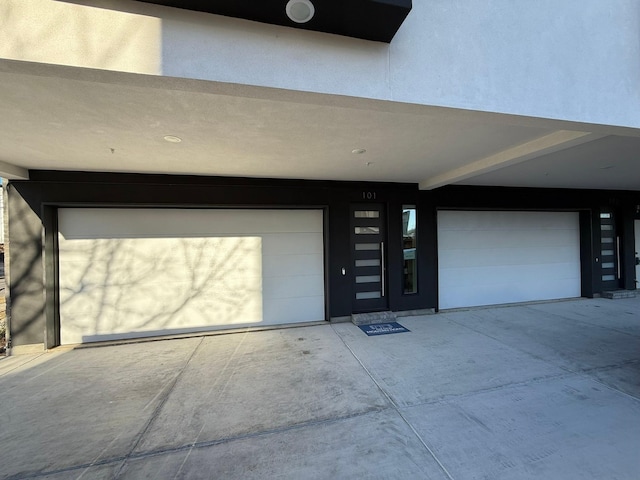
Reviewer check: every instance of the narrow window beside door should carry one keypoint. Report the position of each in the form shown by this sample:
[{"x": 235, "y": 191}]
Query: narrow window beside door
[
  {"x": 609, "y": 251},
  {"x": 409, "y": 228}
]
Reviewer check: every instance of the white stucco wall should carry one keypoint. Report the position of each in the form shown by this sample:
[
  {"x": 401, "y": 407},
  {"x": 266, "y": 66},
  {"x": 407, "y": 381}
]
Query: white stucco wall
[
  {"x": 61, "y": 33},
  {"x": 574, "y": 60},
  {"x": 569, "y": 59}
]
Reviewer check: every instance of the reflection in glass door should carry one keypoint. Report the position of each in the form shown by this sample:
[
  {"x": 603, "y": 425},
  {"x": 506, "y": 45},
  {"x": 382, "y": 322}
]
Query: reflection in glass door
[
  {"x": 410, "y": 271},
  {"x": 369, "y": 257}
]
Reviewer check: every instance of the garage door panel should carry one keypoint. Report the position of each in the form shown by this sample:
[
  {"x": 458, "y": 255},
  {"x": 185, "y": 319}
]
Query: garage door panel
[
  {"x": 140, "y": 223},
  {"x": 506, "y": 275},
  {"x": 511, "y": 256},
  {"x": 488, "y": 258},
  {"x": 148, "y": 281},
  {"x": 280, "y": 265},
  {"x": 478, "y": 295},
  {"x": 146, "y": 262},
  {"x": 487, "y": 239},
  {"x": 295, "y": 286},
  {"x": 287, "y": 244},
  {"x": 284, "y": 309},
  {"x": 501, "y": 220},
  {"x": 151, "y": 309}
]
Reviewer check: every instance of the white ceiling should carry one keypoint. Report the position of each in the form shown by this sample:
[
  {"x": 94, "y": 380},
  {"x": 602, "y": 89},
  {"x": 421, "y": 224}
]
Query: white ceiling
[
  {"x": 612, "y": 162},
  {"x": 62, "y": 118}
]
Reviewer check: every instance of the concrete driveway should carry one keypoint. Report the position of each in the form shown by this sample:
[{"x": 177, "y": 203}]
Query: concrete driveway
[{"x": 548, "y": 391}]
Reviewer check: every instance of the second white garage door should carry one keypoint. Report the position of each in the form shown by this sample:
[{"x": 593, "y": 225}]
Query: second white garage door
[
  {"x": 490, "y": 258},
  {"x": 128, "y": 273}
]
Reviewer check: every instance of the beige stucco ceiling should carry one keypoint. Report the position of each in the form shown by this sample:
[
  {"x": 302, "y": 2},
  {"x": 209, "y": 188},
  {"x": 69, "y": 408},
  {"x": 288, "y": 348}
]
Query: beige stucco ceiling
[{"x": 64, "y": 118}]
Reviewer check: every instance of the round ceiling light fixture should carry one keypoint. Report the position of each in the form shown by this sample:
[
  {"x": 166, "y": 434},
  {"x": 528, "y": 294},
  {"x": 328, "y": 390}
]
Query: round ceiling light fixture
[
  {"x": 172, "y": 139},
  {"x": 300, "y": 11}
]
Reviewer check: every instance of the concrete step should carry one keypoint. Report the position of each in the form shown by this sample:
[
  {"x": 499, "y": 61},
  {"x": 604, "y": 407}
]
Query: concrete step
[
  {"x": 373, "y": 318},
  {"x": 616, "y": 294}
]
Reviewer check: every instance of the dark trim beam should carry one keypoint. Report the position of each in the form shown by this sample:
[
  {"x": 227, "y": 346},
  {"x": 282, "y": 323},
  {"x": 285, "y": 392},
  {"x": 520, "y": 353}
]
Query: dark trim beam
[{"x": 376, "y": 20}]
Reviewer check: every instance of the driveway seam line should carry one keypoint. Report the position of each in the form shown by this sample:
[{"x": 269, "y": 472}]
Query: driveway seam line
[
  {"x": 395, "y": 407},
  {"x": 199, "y": 445},
  {"x": 168, "y": 389},
  {"x": 502, "y": 342},
  {"x": 22, "y": 364},
  {"x": 454, "y": 396},
  {"x": 583, "y": 373},
  {"x": 583, "y": 321}
]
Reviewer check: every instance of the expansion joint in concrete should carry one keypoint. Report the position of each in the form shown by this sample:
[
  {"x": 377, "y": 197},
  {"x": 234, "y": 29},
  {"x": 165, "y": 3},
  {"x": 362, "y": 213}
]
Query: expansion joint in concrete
[
  {"x": 585, "y": 373},
  {"x": 504, "y": 386},
  {"x": 196, "y": 445},
  {"x": 496, "y": 339},
  {"x": 164, "y": 395},
  {"x": 397, "y": 409}
]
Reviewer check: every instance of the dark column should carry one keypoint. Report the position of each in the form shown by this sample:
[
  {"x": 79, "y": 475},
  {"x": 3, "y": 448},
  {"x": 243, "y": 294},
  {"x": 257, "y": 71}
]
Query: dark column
[
  {"x": 26, "y": 283},
  {"x": 627, "y": 248}
]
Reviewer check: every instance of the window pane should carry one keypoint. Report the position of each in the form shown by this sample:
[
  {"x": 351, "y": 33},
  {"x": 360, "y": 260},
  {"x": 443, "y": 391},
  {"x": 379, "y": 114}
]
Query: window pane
[
  {"x": 368, "y": 263},
  {"x": 368, "y": 279},
  {"x": 367, "y": 295},
  {"x": 367, "y": 246},
  {"x": 367, "y": 230},
  {"x": 366, "y": 214},
  {"x": 409, "y": 227}
]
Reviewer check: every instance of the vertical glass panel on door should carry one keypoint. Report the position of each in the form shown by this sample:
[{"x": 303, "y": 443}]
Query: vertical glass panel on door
[{"x": 409, "y": 251}]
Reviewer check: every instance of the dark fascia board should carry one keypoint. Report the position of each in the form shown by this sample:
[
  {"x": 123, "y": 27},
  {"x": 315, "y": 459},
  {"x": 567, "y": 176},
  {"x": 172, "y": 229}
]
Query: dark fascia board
[
  {"x": 376, "y": 20},
  {"x": 66, "y": 176}
]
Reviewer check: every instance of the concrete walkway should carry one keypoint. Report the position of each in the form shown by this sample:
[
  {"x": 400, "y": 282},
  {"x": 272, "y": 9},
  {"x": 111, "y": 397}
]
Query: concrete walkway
[{"x": 547, "y": 391}]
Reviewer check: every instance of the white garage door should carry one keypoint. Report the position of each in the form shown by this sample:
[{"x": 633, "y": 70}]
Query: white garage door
[
  {"x": 489, "y": 258},
  {"x": 128, "y": 273}
]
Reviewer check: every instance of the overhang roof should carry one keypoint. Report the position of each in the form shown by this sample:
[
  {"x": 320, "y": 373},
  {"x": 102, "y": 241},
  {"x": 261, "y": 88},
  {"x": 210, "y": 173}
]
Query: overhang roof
[
  {"x": 377, "y": 20},
  {"x": 65, "y": 118}
]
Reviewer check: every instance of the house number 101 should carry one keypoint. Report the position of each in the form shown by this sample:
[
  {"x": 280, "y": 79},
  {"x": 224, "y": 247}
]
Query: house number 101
[{"x": 368, "y": 195}]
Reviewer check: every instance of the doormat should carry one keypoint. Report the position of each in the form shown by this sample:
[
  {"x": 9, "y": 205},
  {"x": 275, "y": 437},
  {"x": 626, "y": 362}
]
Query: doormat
[{"x": 383, "y": 328}]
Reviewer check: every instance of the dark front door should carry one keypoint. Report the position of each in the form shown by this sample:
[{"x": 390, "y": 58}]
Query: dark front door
[
  {"x": 368, "y": 238},
  {"x": 609, "y": 252}
]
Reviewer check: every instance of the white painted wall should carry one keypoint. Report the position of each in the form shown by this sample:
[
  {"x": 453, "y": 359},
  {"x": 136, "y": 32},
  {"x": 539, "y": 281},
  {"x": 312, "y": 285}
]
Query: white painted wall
[
  {"x": 62, "y": 33},
  {"x": 575, "y": 59}
]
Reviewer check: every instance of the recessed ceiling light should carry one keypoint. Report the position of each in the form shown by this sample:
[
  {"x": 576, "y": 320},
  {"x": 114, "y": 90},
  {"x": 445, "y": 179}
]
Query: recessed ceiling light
[
  {"x": 358, "y": 151},
  {"x": 172, "y": 139},
  {"x": 300, "y": 11}
]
